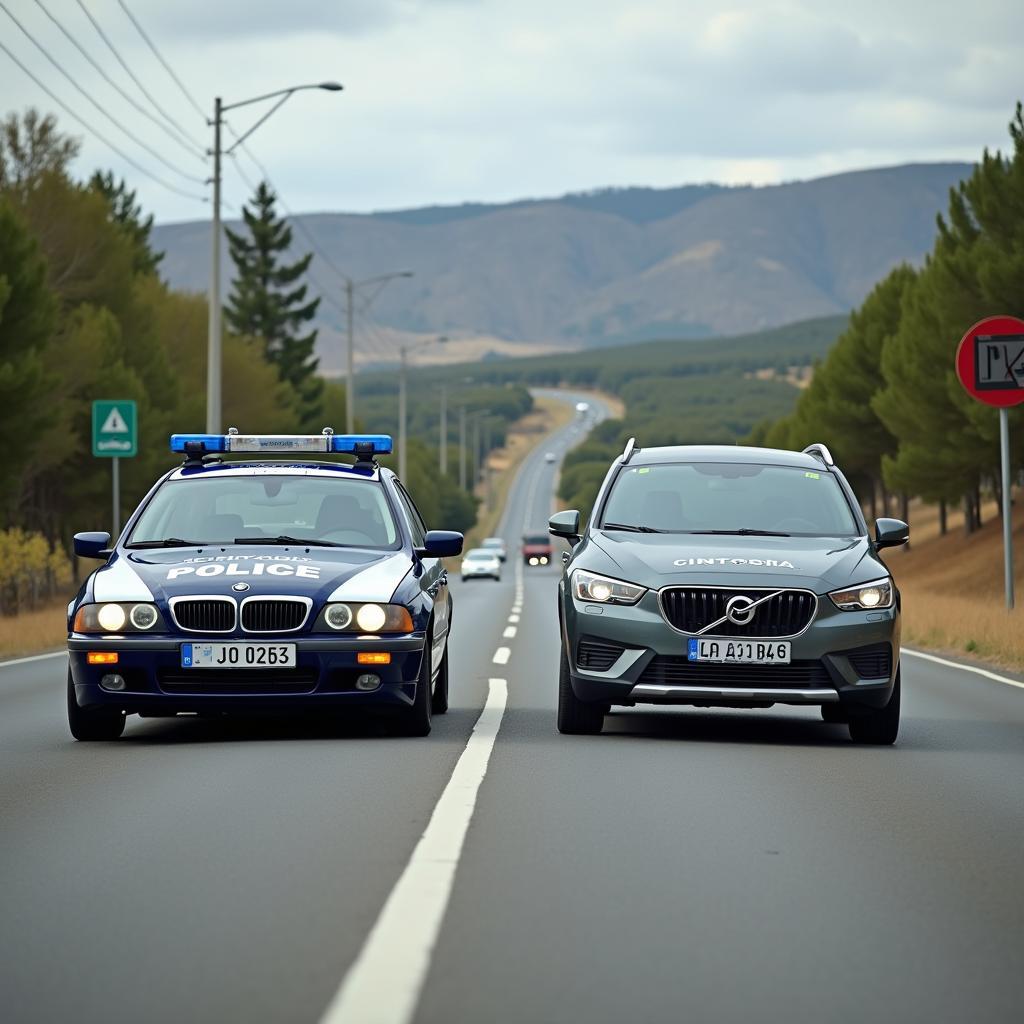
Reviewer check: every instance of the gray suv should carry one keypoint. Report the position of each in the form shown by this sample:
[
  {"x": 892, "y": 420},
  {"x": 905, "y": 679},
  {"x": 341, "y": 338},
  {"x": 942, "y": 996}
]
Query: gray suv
[{"x": 729, "y": 577}]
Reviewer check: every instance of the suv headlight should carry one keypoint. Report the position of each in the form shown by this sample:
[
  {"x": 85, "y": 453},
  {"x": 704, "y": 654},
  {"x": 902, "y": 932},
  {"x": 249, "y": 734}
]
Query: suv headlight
[
  {"x": 866, "y": 597},
  {"x": 588, "y": 586},
  {"x": 118, "y": 617},
  {"x": 340, "y": 617}
]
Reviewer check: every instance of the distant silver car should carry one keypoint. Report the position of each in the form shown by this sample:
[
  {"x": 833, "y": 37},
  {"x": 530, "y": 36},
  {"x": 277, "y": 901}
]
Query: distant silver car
[
  {"x": 550, "y": 457},
  {"x": 481, "y": 563},
  {"x": 496, "y": 545}
]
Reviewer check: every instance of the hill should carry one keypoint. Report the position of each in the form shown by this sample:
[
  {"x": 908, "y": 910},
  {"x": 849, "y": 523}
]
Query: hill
[{"x": 620, "y": 265}]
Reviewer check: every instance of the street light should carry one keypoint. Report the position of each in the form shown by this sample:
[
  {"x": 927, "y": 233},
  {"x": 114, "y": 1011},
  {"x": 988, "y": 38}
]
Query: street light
[
  {"x": 350, "y": 360},
  {"x": 404, "y": 351},
  {"x": 213, "y": 348}
]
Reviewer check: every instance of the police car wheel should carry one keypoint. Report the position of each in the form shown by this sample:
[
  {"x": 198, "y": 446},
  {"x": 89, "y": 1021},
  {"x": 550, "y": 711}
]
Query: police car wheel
[
  {"x": 415, "y": 720},
  {"x": 439, "y": 703},
  {"x": 576, "y": 717},
  {"x": 100, "y": 723},
  {"x": 881, "y": 726}
]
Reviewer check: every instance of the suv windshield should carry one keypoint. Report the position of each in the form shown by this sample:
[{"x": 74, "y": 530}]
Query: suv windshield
[
  {"x": 704, "y": 497},
  {"x": 231, "y": 509}
]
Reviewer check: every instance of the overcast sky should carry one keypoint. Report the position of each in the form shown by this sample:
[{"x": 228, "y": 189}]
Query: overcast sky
[{"x": 453, "y": 100}]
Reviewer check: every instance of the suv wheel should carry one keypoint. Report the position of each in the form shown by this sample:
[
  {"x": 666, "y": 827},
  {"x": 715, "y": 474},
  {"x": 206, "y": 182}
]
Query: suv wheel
[
  {"x": 576, "y": 717},
  {"x": 879, "y": 726},
  {"x": 100, "y": 723}
]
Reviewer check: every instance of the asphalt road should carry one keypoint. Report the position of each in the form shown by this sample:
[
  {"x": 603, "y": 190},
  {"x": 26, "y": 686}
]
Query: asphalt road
[{"x": 686, "y": 865}]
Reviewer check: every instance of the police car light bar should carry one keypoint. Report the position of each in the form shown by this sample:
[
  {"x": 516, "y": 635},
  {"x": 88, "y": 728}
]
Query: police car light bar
[{"x": 349, "y": 444}]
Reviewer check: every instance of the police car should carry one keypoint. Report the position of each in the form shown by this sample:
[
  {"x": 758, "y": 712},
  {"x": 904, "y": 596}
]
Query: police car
[
  {"x": 734, "y": 577},
  {"x": 264, "y": 586}
]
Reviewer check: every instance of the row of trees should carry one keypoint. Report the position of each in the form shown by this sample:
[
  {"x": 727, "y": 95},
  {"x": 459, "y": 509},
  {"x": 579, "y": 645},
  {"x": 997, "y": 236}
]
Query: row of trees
[{"x": 886, "y": 399}]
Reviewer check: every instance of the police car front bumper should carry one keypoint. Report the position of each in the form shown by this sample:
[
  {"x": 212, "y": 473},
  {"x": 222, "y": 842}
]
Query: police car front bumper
[
  {"x": 827, "y": 660},
  {"x": 325, "y": 675}
]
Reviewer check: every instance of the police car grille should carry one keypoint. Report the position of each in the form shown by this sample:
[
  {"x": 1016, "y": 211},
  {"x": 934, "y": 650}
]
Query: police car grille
[
  {"x": 690, "y": 609},
  {"x": 205, "y": 616},
  {"x": 597, "y": 655},
  {"x": 272, "y": 615},
  {"x": 666, "y": 670},
  {"x": 873, "y": 662}
]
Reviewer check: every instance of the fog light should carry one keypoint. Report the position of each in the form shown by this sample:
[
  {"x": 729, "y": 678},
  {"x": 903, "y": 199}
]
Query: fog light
[
  {"x": 373, "y": 658},
  {"x": 113, "y": 681},
  {"x": 102, "y": 657},
  {"x": 368, "y": 682}
]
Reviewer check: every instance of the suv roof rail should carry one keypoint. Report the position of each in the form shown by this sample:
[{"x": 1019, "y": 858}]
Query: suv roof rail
[
  {"x": 819, "y": 451},
  {"x": 631, "y": 449}
]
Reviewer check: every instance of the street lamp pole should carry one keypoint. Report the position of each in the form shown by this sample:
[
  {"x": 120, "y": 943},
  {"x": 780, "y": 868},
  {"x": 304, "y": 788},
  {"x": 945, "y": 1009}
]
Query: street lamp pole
[{"x": 213, "y": 346}]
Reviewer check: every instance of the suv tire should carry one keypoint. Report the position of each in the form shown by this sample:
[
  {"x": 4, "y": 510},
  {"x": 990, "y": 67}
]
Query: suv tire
[
  {"x": 576, "y": 717},
  {"x": 879, "y": 727}
]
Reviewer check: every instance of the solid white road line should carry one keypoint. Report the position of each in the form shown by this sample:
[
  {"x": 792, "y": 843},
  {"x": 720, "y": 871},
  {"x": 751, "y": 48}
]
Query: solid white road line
[
  {"x": 510, "y": 632},
  {"x": 966, "y": 668},
  {"x": 34, "y": 657},
  {"x": 383, "y": 985},
  {"x": 501, "y": 655}
]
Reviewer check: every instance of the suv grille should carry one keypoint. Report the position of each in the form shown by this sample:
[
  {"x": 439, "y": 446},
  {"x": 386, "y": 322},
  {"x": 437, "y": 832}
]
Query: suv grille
[
  {"x": 690, "y": 609},
  {"x": 201, "y": 615},
  {"x": 666, "y": 670},
  {"x": 871, "y": 662},
  {"x": 273, "y": 615},
  {"x": 597, "y": 655}
]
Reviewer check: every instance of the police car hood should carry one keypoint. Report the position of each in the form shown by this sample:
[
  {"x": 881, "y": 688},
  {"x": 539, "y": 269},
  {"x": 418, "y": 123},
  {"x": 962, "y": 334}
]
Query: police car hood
[
  {"x": 319, "y": 573},
  {"x": 656, "y": 560}
]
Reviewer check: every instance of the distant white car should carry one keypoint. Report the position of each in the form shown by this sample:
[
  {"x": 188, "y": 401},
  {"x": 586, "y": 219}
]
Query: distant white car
[
  {"x": 497, "y": 545},
  {"x": 481, "y": 563},
  {"x": 582, "y": 407},
  {"x": 550, "y": 457}
]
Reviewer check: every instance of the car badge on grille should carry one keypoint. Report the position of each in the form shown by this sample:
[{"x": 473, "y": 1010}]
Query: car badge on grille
[
  {"x": 240, "y": 587},
  {"x": 740, "y": 610}
]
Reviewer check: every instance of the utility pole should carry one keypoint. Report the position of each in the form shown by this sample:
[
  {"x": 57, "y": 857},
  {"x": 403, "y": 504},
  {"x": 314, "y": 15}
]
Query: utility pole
[
  {"x": 462, "y": 447},
  {"x": 403, "y": 425},
  {"x": 213, "y": 349},
  {"x": 443, "y": 449},
  {"x": 350, "y": 360}
]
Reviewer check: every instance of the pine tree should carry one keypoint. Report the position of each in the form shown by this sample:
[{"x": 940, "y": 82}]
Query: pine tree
[
  {"x": 126, "y": 213},
  {"x": 268, "y": 302}
]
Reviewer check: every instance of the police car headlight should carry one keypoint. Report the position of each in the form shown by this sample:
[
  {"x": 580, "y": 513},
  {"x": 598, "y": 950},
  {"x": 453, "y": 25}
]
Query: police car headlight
[
  {"x": 116, "y": 617},
  {"x": 878, "y": 594},
  {"x": 366, "y": 618},
  {"x": 338, "y": 616},
  {"x": 588, "y": 586}
]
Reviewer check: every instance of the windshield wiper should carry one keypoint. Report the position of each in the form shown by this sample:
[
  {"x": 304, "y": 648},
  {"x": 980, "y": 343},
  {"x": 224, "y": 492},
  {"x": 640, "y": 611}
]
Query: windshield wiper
[
  {"x": 285, "y": 539},
  {"x": 744, "y": 531},
  {"x": 632, "y": 528},
  {"x": 169, "y": 542}
]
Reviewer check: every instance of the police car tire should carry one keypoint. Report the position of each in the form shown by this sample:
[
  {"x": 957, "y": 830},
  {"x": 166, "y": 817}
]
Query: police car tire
[
  {"x": 439, "y": 701},
  {"x": 415, "y": 720},
  {"x": 576, "y": 717},
  {"x": 92, "y": 723},
  {"x": 879, "y": 727}
]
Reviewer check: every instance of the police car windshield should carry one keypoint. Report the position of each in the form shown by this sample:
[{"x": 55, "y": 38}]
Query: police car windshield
[
  {"x": 730, "y": 498},
  {"x": 236, "y": 508}
]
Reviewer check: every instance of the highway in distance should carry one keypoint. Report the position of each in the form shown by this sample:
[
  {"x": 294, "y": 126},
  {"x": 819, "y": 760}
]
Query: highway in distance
[{"x": 685, "y": 865}]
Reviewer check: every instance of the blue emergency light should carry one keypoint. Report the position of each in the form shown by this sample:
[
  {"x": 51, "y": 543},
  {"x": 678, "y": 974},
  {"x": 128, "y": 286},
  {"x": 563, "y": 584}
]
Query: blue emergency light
[{"x": 365, "y": 445}]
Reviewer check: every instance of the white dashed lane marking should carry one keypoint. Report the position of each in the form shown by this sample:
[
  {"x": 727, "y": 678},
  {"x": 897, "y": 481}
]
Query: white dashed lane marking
[
  {"x": 510, "y": 632},
  {"x": 501, "y": 655},
  {"x": 513, "y": 618}
]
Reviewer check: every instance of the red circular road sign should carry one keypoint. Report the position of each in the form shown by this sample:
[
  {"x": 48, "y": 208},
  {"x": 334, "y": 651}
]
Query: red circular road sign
[{"x": 990, "y": 361}]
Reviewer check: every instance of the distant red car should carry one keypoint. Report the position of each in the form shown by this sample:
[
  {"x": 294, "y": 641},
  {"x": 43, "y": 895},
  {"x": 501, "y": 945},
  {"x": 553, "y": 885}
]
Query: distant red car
[{"x": 536, "y": 549}]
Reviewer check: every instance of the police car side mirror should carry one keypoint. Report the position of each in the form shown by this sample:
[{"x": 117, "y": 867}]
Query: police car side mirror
[
  {"x": 92, "y": 545},
  {"x": 565, "y": 525},
  {"x": 891, "y": 533},
  {"x": 441, "y": 544}
]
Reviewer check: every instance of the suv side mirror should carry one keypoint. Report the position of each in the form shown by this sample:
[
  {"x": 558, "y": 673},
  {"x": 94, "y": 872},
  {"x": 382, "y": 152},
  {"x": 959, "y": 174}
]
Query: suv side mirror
[
  {"x": 566, "y": 525},
  {"x": 891, "y": 533},
  {"x": 92, "y": 545},
  {"x": 441, "y": 544}
]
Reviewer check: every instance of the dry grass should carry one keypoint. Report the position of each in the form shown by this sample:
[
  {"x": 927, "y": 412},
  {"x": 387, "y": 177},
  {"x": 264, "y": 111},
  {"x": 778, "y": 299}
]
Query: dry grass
[
  {"x": 953, "y": 589},
  {"x": 44, "y": 629}
]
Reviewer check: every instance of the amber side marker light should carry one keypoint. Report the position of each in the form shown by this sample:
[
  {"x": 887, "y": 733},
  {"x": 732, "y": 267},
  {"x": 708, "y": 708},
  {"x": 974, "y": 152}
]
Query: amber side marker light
[
  {"x": 374, "y": 657},
  {"x": 102, "y": 657}
]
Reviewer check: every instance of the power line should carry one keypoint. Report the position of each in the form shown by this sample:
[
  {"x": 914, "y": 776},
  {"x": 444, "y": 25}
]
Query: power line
[
  {"x": 159, "y": 57},
  {"x": 99, "y": 135},
  {"x": 131, "y": 74},
  {"x": 138, "y": 142},
  {"x": 172, "y": 133}
]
